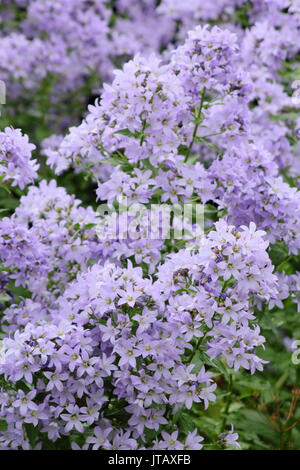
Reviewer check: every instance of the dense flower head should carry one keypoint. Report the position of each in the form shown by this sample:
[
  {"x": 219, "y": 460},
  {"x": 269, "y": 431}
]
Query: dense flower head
[
  {"x": 16, "y": 165},
  {"x": 21, "y": 251},
  {"x": 114, "y": 328},
  {"x": 225, "y": 255},
  {"x": 90, "y": 349},
  {"x": 73, "y": 45},
  {"x": 205, "y": 60},
  {"x": 269, "y": 44},
  {"x": 257, "y": 193},
  {"x": 30, "y": 72},
  {"x": 64, "y": 230},
  {"x": 145, "y": 101},
  {"x": 148, "y": 111}
]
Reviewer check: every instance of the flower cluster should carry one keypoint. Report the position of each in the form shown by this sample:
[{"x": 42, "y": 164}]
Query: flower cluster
[
  {"x": 16, "y": 164},
  {"x": 51, "y": 231},
  {"x": 121, "y": 324},
  {"x": 112, "y": 348},
  {"x": 257, "y": 193},
  {"x": 116, "y": 339},
  {"x": 73, "y": 45}
]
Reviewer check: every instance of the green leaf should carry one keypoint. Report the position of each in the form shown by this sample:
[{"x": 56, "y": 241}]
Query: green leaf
[
  {"x": 278, "y": 253},
  {"x": 3, "y": 186},
  {"x": 128, "y": 133},
  {"x": 197, "y": 361},
  {"x": 292, "y": 116},
  {"x": 125, "y": 132},
  {"x": 3, "y": 425},
  {"x": 9, "y": 203},
  {"x": 4, "y": 298},
  {"x": 32, "y": 433},
  {"x": 185, "y": 423},
  {"x": 89, "y": 226},
  {"x": 258, "y": 423},
  {"x": 183, "y": 150}
]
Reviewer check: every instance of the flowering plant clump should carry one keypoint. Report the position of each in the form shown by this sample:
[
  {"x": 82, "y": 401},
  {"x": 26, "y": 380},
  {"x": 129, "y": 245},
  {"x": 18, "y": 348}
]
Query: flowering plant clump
[
  {"x": 150, "y": 234},
  {"x": 16, "y": 165}
]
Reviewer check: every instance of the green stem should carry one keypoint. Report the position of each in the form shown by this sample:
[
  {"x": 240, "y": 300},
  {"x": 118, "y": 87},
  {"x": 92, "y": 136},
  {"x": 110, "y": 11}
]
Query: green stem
[
  {"x": 143, "y": 132},
  {"x": 212, "y": 135},
  {"x": 283, "y": 263},
  {"x": 197, "y": 124},
  {"x": 229, "y": 399}
]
